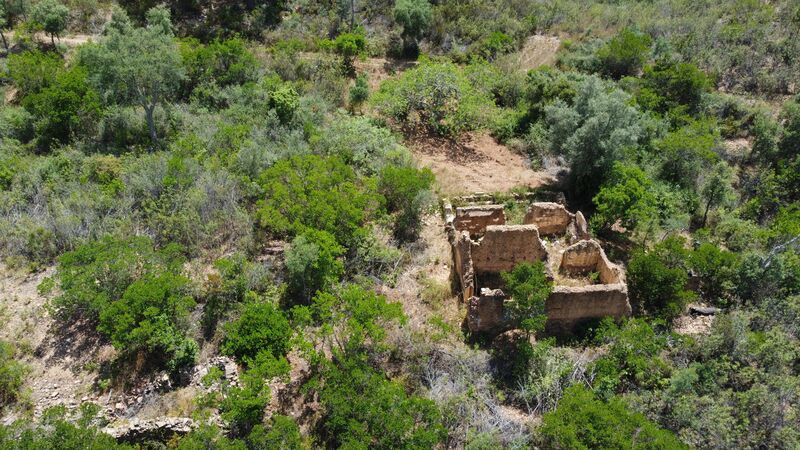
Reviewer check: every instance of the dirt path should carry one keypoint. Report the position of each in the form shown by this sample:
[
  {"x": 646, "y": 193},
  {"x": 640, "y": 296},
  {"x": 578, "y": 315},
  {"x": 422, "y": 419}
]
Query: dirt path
[{"x": 475, "y": 163}]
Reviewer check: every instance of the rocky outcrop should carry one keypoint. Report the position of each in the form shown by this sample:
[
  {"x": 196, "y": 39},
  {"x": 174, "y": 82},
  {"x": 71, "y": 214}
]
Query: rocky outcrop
[{"x": 158, "y": 430}]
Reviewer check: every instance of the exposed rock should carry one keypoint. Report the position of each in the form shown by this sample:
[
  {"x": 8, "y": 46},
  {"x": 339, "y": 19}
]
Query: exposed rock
[
  {"x": 160, "y": 429},
  {"x": 703, "y": 310}
]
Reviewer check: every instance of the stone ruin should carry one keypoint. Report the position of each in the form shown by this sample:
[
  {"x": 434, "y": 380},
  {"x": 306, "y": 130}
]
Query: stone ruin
[{"x": 586, "y": 284}]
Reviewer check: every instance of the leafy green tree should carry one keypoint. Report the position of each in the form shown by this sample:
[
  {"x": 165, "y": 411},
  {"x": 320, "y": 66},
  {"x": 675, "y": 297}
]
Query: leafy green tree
[
  {"x": 67, "y": 108},
  {"x": 407, "y": 193},
  {"x": 582, "y": 422},
  {"x": 717, "y": 270},
  {"x": 365, "y": 410},
  {"x": 261, "y": 327},
  {"x": 33, "y": 71},
  {"x": 12, "y": 375},
  {"x": 593, "y": 132},
  {"x": 528, "y": 288},
  {"x": 314, "y": 192},
  {"x": 360, "y": 317},
  {"x": 414, "y": 16},
  {"x": 313, "y": 264},
  {"x": 139, "y": 66},
  {"x": 348, "y": 46},
  {"x": 624, "y": 54},
  {"x": 671, "y": 88},
  {"x": 657, "y": 279},
  {"x": 221, "y": 63},
  {"x": 626, "y": 197},
  {"x": 686, "y": 153},
  {"x": 52, "y": 16},
  {"x": 716, "y": 188}
]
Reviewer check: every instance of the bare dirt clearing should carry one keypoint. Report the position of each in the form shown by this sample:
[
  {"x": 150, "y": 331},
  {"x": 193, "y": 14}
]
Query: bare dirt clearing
[
  {"x": 476, "y": 163},
  {"x": 538, "y": 50}
]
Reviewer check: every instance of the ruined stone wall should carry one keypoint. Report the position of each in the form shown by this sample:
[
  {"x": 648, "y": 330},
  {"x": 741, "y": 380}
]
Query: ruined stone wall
[
  {"x": 486, "y": 313},
  {"x": 550, "y": 218},
  {"x": 568, "y": 306},
  {"x": 588, "y": 256},
  {"x": 462, "y": 258},
  {"x": 475, "y": 219},
  {"x": 505, "y": 246}
]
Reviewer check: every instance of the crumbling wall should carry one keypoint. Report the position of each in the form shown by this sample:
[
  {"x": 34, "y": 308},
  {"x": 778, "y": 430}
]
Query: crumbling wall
[
  {"x": 475, "y": 219},
  {"x": 486, "y": 313},
  {"x": 588, "y": 256},
  {"x": 550, "y": 218},
  {"x": 566, "y": 307},
  {"x": 462, "y": 257},
  {"x": 505, "y": 246}
]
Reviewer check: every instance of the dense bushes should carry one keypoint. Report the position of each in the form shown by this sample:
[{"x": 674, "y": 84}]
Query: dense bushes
[
  {"x": 315, "y": 192},
  {"x": 658, "y": 279},
  {"x": 438, "y": 96},
  {"x": 134, "y": 293},
  {"x": 624, "y": 54},
  {"x": 408, "y": 194},
  {"x": 12, "y": 375},
  {"x": 584, "y": 422}
]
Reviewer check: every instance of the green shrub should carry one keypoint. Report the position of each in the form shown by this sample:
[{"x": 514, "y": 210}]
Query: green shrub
[
  {"x": 261, "y": 327},
  {"x": 359, "y": 93},
  {"x": 583, "y": 422},
  {"x": 626, "y": 196},
  {"x": 134, "y": 292},
  {"x": 221, "y": 63},
  {"x": 56, "y": 430},
  {"x": 407, "y": 194},
  {"x": 438, "y": 96},
  {"x": 361, "y": 144},
  {"x": 315, "y": 192},
  {"x": 237, "y": 276},
  {"x": 687, "y": 153},
  {"x": 349, "y": 45},
  {"x": 243, "y": 406},
  {"x": 33, "y": 71},
  {"x": 624, "y": 54},
  {"x": 364, "y": 409},
  {"x": 657, "y": 279},
  {"x": 313, "y": 264},
  {"x": 673, "y": 88},
  {"x": 718, "y": 272},
  {"x": 633, "y": 360},
  {"x": 529, "y": 288},
  {"x": 68, "y": 108},
  {"x": 12, "y": 375}
]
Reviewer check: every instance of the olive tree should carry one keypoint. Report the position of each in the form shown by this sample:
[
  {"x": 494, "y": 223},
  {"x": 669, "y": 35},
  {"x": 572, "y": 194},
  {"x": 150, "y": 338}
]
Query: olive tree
[
  {"x": 137, "y": 66},
  {"x": 52, "y": 16}
]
